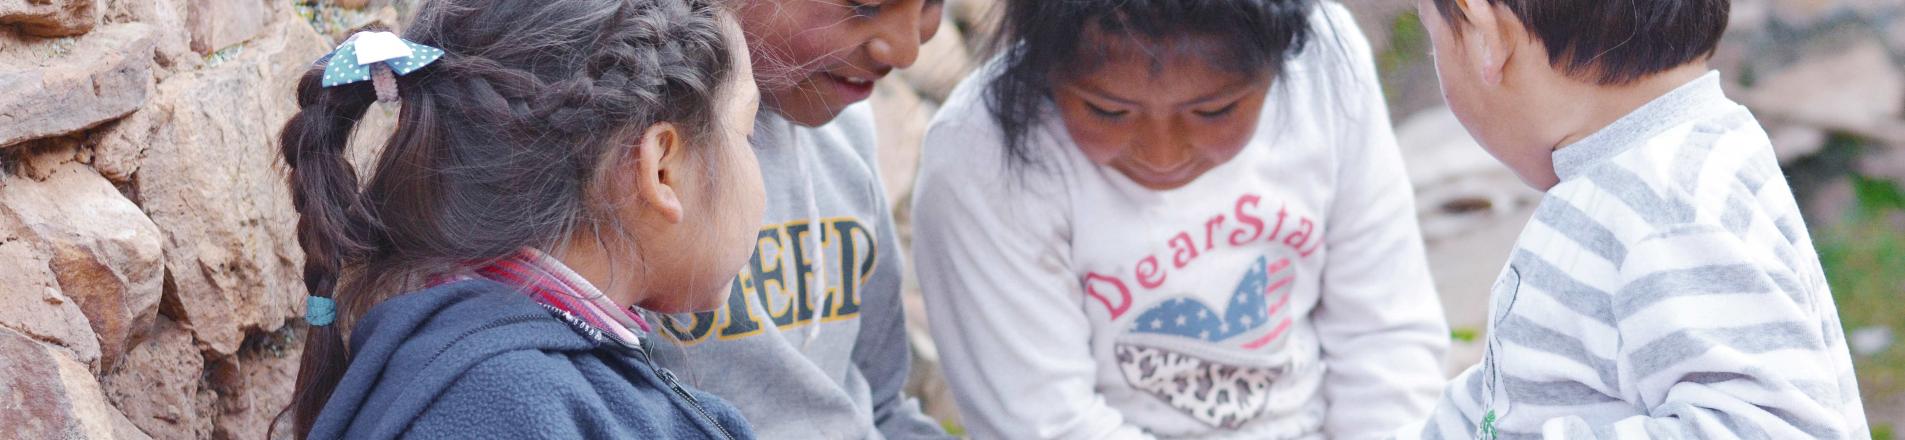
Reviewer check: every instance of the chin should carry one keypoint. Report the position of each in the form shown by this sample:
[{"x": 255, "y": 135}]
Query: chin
[
  {"x": 705, "y": 300},
  {"x": 813, "y": 115}
]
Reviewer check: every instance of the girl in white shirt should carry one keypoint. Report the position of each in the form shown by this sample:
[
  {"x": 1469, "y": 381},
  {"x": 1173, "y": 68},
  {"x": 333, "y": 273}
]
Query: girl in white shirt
[{"x": 1169, "y": 218}]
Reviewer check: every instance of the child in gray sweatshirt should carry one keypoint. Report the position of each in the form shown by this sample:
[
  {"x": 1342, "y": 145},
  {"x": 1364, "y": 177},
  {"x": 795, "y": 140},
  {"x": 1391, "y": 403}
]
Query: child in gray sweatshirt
[{"x": 811, "y": 343}]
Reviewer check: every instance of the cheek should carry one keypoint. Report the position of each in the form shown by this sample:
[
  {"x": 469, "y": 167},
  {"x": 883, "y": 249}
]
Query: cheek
[
  {"x": 747, "y": 195},
  {"x": 1100, "y": 142},
  {"x": 792, "y": 39},
  {"x": 1221, "y": 140}
]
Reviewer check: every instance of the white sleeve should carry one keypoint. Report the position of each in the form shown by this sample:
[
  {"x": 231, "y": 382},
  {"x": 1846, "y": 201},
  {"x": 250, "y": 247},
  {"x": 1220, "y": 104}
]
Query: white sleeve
[
  {"x": 992, "y": 252},
  {"x": 1716, "y": 344},
  {"x": 1380, "y": 322}
]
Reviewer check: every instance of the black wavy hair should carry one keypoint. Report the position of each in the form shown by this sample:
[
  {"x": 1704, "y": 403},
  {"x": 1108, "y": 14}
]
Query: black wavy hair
[
  {"x": 1614, "y": 42},
  {"x": 1043, "y": 41}
]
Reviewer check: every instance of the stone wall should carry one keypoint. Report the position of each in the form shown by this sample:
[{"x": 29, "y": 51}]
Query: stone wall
[{"x": 150, "y": 281}]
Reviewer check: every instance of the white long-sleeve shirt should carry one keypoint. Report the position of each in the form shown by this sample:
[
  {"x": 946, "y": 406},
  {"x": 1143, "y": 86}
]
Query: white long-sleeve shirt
[
  {"x": 1283, "y": 294},
  {"x": 1666, "y": 288}
]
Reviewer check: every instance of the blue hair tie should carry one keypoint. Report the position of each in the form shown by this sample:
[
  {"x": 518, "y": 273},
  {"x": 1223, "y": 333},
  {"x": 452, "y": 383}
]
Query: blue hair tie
[{"x": 319, "y": 311}]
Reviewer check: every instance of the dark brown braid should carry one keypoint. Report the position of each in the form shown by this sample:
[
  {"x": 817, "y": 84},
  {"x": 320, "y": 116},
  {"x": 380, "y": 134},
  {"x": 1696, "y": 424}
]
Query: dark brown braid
[{"x": 496, "y": 147}]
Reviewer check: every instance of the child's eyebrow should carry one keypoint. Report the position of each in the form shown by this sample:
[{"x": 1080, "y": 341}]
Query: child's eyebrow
[
  {"x": 1088, "y": 89},
  {"x": 1228, "y": 92}
]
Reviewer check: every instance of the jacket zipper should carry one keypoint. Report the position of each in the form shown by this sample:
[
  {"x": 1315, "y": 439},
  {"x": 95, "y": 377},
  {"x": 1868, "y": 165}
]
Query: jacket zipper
[{"x": 669, "y": 377}]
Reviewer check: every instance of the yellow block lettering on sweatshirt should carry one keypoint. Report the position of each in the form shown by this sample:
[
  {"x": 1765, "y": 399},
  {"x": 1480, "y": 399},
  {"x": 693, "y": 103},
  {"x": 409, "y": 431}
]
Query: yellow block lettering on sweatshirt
[{"x": 777, "y": 286}]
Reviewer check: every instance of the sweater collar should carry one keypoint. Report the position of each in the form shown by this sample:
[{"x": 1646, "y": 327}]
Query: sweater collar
[
  {"x": 549, "y": 282},
  {"x": 1697, "y": 98}
]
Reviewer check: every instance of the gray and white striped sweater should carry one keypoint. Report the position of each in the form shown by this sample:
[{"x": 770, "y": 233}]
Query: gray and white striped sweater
[{"x": 1666, "y": 288}]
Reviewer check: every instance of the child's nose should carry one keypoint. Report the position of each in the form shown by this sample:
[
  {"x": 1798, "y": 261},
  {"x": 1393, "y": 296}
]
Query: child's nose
[
  {"x": 1157, "y": 148},
  {"x": 897, "y": 43}
]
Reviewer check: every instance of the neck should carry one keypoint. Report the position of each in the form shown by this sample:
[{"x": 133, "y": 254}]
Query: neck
[
  {"x": 1595, "y": 107},
  {"x": 585, "y": 255}
]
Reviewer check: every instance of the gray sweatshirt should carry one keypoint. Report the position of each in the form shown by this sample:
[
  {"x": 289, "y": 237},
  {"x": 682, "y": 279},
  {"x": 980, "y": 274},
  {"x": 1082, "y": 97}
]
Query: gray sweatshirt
[{"x": 800, "y": 360}]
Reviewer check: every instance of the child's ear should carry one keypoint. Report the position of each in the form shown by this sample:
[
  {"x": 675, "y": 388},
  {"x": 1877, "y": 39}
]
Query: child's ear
[
  {"x": 1490, "y": 43},
  {"x": 657, "y": 166}
]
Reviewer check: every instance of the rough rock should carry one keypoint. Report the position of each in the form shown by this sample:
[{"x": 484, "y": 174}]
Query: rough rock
[
  {"x": 158, "y": 384},
  {"x": 217, "y": 24},
  {"x": 55, "y": 87},
  {"x": 34, "y": 305},
  {"x": 257, "y": 385},
  {"x": 103, "y": 252},
  {"x": 167, "y": 17},
  {"x": 50, "y": 18},
  {"x": 215, "y": 185},
  {"x": 47, "y": 394},
  {"x": 1858, "y": 89},
  {"x": 120, "y": 146}
]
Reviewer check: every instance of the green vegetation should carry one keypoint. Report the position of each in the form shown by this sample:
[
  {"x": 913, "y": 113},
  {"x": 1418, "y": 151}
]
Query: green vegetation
[
  {"x": 1864, "y": 258},
  {"x": 955, "y": 430},
  {"x": 1408, "y": 45},
  {"x": 1464, "y": 334}
]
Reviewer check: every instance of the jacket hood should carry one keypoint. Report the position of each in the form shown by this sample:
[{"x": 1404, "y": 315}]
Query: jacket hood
[{"x": 424, "y": 341}]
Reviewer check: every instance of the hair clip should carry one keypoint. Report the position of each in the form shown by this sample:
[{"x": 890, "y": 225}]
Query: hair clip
[
  {"x": 319, "y": 311},
  {"x": 378, "y": 57}
]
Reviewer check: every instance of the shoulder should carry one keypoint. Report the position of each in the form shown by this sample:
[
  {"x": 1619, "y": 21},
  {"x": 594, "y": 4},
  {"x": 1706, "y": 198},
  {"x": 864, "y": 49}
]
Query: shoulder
[
  {"x": 524, "y": 379},
  {"x": 1698, "y": 172},
  {"x": 964, "y": 141}
]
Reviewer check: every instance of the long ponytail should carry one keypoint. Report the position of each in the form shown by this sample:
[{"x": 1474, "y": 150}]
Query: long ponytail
[{"x": 333, "y": 225}]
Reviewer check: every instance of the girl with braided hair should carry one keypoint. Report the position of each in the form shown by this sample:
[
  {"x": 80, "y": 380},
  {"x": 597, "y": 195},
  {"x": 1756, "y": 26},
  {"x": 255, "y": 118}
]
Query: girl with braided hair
[
  {"x": 1176, "y": 219},
  {"x": 558, "y": 166}
]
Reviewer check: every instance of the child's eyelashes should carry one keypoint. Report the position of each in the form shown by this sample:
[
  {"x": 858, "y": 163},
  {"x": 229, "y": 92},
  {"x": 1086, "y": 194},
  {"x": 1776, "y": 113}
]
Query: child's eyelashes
[
  {"x": 1218, "y": 113},
  {"x": 1106, "y": 113},
  {"x": 865, "y": 9}
]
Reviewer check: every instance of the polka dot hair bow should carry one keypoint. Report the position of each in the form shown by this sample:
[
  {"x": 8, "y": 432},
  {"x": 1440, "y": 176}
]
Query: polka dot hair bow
[{"x": 378, "y": 57}]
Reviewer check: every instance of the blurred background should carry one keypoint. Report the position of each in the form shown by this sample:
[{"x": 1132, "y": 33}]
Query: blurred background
[{"x": 150, "y": 286}]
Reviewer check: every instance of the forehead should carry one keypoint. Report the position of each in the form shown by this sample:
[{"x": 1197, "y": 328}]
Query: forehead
[{"x": 1160, "y": 70}]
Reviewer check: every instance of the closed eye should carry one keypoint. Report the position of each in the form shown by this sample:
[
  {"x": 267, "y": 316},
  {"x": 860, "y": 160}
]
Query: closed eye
[
  {"x": 1218, "y": 112},
  {"x": 1101, "y": 111}
]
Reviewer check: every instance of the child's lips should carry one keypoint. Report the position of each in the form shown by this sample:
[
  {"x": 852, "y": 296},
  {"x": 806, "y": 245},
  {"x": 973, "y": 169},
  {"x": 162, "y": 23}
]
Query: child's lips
[{"x": 852, "y": 88}]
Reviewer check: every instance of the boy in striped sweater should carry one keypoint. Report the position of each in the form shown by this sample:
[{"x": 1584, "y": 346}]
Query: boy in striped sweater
[{"x": 1666, "y": 287}]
